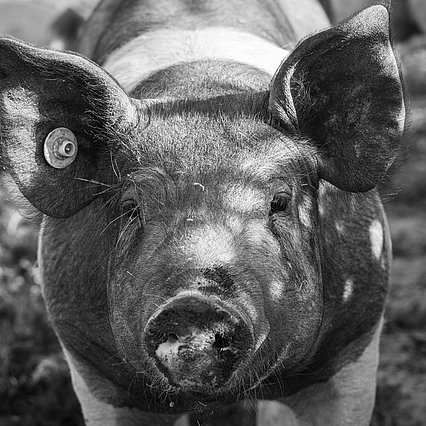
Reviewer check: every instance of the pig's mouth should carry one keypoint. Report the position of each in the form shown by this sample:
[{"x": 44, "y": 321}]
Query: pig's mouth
[{"x": 198, "y": 346}]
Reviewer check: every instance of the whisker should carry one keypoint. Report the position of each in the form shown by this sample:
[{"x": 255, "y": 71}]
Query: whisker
[
  {"x": 112, "y": 221},
  {"x": 94, "y": 182}
]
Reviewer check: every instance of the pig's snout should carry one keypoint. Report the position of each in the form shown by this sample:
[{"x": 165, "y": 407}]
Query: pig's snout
[{"x": 198, "y": 344}]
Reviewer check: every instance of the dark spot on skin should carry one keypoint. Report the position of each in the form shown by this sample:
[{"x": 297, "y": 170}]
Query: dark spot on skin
[{"x": 219, "y": 275}]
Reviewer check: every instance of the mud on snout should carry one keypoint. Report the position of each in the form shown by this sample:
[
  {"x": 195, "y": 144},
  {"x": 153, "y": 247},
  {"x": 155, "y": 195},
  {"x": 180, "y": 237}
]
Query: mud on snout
[{"x": 198, "y": 343}]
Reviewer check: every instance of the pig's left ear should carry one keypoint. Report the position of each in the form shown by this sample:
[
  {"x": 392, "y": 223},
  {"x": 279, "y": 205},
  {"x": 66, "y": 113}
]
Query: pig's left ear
[
  {"x": 341, "y": 88},
  {"x": 42, "y": 90}
]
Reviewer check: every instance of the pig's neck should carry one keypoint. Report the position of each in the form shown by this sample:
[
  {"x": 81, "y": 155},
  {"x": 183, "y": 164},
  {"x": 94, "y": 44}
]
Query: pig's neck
[{"x": 225, "y": 49}]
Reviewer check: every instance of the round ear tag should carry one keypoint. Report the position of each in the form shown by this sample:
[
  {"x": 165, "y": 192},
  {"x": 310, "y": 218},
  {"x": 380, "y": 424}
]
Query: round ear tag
[{"x": 60, "y": 148}]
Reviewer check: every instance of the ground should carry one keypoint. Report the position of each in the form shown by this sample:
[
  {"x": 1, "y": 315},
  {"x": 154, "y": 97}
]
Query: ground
[{"x": 35, "y": 387}]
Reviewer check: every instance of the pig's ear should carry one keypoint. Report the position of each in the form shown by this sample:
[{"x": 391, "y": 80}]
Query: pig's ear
[
  {"x": 341, "y": 88},
  {"x": 42, "y": 90}
]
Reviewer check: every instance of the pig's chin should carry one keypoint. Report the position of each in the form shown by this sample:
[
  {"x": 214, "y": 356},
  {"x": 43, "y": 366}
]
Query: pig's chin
[
  {"x": 205, "y": 387},
  {"x": 192, "y": 396},
  {"x": 245, "y": 382}
]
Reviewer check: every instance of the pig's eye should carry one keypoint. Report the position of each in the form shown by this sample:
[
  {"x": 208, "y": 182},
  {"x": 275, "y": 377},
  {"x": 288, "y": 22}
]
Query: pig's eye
[
  {"x": 131, "y": 210},
  {"x": 280, "y": 202}
]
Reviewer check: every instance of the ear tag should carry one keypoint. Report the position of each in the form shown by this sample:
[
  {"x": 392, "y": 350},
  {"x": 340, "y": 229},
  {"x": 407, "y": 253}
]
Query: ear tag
[{"x": 60, "y": 148}]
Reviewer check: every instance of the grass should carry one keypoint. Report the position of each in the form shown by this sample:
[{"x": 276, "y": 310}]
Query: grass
[{"x": 35, "y": 387}]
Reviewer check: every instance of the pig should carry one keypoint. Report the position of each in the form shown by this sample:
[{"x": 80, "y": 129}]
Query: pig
[{"x": 213, "y": 247}]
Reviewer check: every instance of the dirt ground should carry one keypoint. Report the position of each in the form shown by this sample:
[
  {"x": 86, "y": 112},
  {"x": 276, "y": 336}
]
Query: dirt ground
[{"x": 34, "y": 380}]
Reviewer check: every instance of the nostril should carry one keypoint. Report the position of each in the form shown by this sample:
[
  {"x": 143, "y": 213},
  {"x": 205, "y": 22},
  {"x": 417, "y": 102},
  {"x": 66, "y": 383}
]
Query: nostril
[
  {"x": 172, "y": 338},
  {"x": 224, "y": 347},
  {"x": 220, "y": 342}
]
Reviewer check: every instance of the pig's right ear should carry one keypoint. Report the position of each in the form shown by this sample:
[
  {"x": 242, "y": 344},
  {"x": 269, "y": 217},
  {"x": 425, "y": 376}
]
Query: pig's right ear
[
  {"x": 341, "y": 89},
  {"x": 42, "y": 90}
]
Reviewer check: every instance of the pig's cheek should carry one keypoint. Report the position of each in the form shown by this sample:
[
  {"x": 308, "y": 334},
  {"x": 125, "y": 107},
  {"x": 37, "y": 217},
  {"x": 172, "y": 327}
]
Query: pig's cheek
[
  {"x": 293, "y": 293},
  {"x": 299, "y": 254},
  {"x": 125, "y": 308}
]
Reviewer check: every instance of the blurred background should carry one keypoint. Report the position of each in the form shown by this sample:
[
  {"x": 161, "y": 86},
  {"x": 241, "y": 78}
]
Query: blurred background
[{"x": 35, "y": 387}]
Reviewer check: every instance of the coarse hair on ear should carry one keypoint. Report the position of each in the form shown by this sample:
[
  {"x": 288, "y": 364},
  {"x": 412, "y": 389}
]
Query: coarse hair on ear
[
  {"x": 342, "y": 89},
  {"x": 42, "y": 90}
]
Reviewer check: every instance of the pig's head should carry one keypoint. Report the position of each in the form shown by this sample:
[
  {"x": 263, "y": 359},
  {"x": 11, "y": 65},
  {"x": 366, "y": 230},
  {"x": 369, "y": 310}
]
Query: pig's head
[{"x": 209, "y": 204}]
